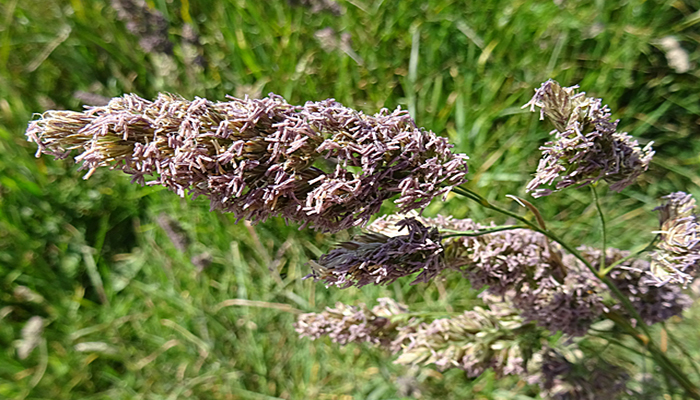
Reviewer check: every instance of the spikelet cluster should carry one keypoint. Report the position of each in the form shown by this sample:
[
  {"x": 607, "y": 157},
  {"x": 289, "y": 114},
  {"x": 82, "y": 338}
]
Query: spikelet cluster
[
  {"x": 654, "y": 303},
  {"x": 545, "y": 283},
  {"x": 359, "y": 324},
  {"x": 492, "y": 338},
  {"x": 376, "y": 258},
  {"x": 321, "y": 164},
  {"x": 475, "y": 341},
  {"x": 542, "y": 281},
  {"x": 678, "y": 255},
  {"x": 587, "y": 146}
]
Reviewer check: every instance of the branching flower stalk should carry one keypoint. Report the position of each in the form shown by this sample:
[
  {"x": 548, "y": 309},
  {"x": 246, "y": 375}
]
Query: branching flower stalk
[
  {"x": 329, "y": 167},
  {"x": 644, "y": 339},
  {"x": 542, "y": 280},
  {"x": 573, "y": 116}
]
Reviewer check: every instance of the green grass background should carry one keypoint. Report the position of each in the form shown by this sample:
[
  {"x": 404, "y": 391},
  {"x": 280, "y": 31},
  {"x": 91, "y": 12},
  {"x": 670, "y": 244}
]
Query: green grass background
[{"x": 90, "y": 257}]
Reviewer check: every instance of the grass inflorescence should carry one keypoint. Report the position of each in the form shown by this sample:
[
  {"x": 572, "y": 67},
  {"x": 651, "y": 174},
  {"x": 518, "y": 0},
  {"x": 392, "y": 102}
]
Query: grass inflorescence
[{"x": 99, "y": 300}]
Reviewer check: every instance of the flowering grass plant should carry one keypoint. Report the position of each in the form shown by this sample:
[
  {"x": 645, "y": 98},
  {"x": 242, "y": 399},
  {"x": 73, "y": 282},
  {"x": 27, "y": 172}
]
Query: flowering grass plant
[{"x": 328, "y": 167}]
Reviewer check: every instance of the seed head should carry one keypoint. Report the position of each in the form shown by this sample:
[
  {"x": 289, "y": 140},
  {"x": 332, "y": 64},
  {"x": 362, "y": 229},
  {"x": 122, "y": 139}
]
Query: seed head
[
  {"x": 380, "y": 259},
  {"x": 474, "y": 341},
  {"x": 345, "y": 324},
  {"x": 587, "y": 146},
  {"x": 320, "y": 164},
  {"x": 677, "y": 256}
]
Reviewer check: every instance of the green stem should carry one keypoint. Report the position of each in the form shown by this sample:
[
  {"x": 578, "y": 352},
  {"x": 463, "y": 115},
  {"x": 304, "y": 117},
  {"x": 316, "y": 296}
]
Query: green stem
[
  {"x": 468, "y": 193},
  {"x": 683, "y": 350},
  {"x": 423, "y": 314},
  {"x": 612, "y": 266},
  {"x": 619, "y": 344},
  {"x": 603, "y": 229},
  {"x": 659, "y": 357},
  {"x": 481, "y": 232},
  {"x": 485, "y": 203}
]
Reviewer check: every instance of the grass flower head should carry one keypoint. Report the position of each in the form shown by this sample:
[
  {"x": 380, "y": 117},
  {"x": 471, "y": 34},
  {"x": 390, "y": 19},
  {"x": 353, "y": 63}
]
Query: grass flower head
[
  {"x": 345, "y": 324},
  {"x": 587, "y": 146},
  {"x": 321, "y": 164},
  {"x": 678, "y": 252}
]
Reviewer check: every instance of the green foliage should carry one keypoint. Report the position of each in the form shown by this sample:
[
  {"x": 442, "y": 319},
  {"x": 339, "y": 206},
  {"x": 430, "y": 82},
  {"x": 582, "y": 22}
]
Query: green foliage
[{"x": 129, "y": 315}]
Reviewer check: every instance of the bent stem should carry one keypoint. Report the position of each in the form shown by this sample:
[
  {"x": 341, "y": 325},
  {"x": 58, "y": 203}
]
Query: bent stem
[{"x": 644, "y": 339}]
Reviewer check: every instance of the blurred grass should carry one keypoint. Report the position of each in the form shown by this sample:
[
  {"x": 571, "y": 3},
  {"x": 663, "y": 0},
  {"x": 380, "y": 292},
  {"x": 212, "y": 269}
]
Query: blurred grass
[{"x": 129, "y": 315}]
